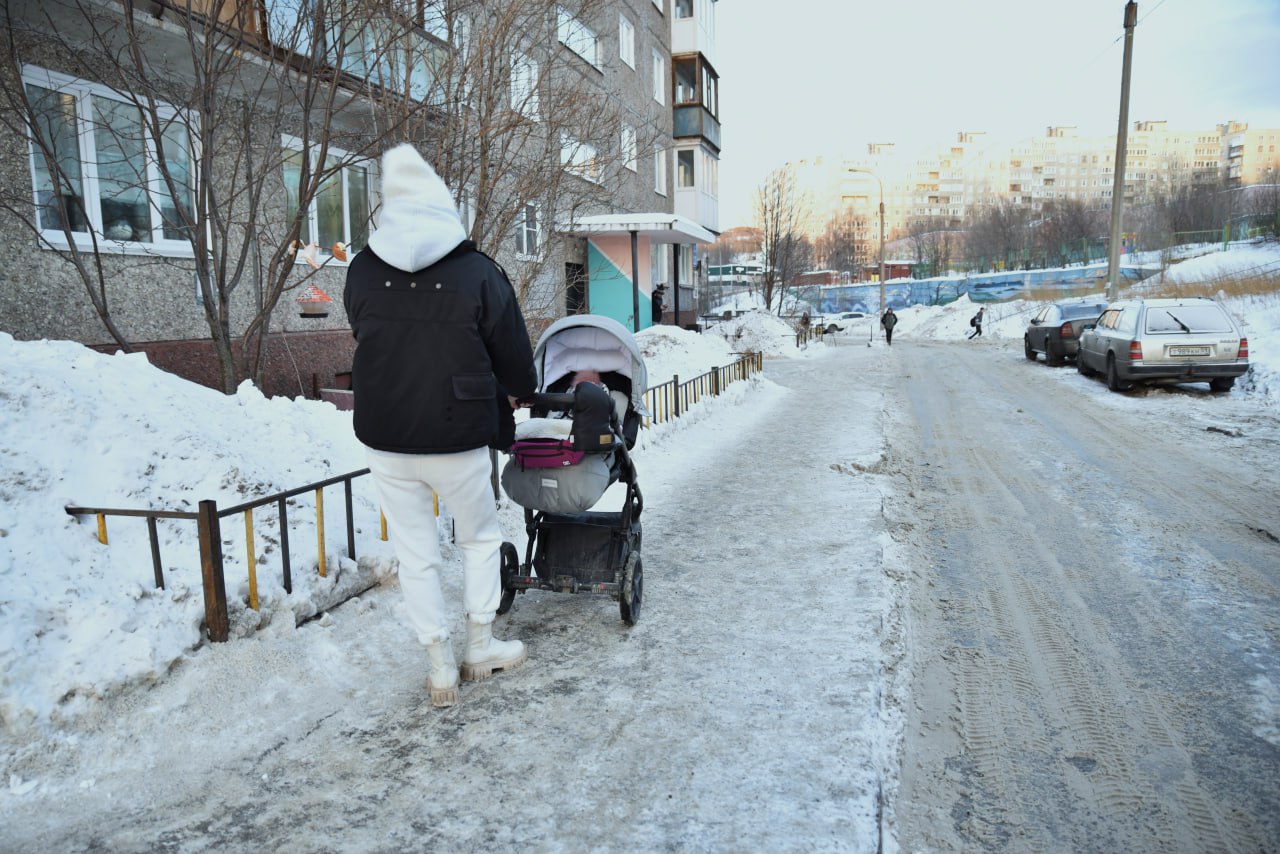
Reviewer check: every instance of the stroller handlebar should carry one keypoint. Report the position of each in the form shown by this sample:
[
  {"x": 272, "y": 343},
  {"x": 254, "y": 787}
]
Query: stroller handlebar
[{"x": 563, "y": 401}]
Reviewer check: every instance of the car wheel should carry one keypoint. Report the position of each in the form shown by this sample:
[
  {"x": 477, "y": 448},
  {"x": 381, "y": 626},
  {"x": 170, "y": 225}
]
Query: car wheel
[
  {"x": 1113, "y": 376},
  {"x": 1222, "y": 383},
  {"x": 832, "y": 329},
  {"x": 1026, "y": 348},
  {"x": 1081, "y": 367}
]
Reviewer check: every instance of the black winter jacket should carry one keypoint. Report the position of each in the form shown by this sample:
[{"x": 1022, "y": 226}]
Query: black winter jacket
[{"x": 437, "y": 352}]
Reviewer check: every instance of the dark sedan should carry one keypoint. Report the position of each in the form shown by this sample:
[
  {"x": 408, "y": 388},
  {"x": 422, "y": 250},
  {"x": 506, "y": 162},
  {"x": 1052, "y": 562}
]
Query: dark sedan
[{"x": 1055, "y": 329}]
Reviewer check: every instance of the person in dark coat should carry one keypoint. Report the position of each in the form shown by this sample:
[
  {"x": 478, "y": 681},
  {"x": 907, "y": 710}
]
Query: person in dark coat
[
  {"x": 976, "y": 323},
  {"x": 659, "y": 303},
  {"x": 888, "y": 320},
  {"x": 442, "y": 353}
]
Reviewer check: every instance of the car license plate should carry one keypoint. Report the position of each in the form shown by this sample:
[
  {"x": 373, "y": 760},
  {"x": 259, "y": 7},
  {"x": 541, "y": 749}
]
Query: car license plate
[{"x": 1188, "y": 351}]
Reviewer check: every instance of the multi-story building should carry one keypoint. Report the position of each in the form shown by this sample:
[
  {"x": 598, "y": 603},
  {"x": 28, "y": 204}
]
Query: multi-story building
[
  {"x": 179, "y": 196},
  {"x": 941, "y": 189},
  {"x": 1249, "y": 156}
]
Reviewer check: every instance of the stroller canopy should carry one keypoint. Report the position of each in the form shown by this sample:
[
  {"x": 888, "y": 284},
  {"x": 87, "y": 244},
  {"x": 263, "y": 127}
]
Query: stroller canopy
[{"x": 582, "y": 342}]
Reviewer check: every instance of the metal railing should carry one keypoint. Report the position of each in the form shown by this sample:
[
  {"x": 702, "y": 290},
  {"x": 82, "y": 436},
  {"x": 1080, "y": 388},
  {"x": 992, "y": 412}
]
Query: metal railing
[
  {"x": 669, "y": 400},
  {"x": 208, "y": 519},
  {"x": 665, "y": 402}
]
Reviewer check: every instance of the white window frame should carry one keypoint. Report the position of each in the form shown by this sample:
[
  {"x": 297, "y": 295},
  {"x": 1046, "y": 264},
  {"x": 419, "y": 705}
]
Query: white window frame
[
  {"x": 626, "y": 41},
  {"x": 629, "y": 149},
  {"x": 529, "y": 237},
  {"x": 659, "y": 169},
  {"x": 84, "y": 92},
  {"x": 325, "y": 253},
  {"x": 524, "y": 84},
  {"x": 659, "y": 77},
  {"x": 579, "y": 158},
  {"x": 577, "y": 36}
]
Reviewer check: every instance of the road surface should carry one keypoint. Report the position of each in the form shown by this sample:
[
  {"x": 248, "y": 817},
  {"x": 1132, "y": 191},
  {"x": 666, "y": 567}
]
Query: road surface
[{"x": 1094, "y": 609}]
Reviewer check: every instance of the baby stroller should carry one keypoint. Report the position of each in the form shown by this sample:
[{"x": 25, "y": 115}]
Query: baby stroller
[{"x": 573, "y": 447}]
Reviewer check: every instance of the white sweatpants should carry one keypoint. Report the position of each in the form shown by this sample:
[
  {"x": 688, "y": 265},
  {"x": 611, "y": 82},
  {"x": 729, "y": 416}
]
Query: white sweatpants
[{"x": 405, "y": 482}]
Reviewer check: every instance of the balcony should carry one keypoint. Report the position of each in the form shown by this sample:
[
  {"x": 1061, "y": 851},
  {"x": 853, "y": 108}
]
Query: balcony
[
  {"x": 693, "y": 28},
  {"x": 693, "y": 120}
]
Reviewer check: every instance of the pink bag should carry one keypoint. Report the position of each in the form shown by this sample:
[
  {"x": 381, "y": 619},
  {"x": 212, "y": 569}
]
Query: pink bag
[{"x": 545, "y": 453}]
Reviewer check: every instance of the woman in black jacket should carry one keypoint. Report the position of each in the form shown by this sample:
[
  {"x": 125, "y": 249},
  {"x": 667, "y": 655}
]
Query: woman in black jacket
[{"x": 441, "y": 354}]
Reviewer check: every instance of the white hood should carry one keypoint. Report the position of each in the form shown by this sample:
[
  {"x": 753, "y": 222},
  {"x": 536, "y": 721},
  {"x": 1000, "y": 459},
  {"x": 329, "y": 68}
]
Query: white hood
[{"x": 419, "y": 222}]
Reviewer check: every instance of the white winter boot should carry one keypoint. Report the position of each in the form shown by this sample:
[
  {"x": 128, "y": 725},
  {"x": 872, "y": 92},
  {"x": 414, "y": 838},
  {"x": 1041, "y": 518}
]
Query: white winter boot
[
  {"x": 486, "y": 654},
  {"x": 442, "y": 681}
]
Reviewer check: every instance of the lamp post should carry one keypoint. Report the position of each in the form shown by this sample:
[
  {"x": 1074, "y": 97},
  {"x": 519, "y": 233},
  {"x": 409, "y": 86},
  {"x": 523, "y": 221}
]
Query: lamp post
[{"x": 881, "y": 184}]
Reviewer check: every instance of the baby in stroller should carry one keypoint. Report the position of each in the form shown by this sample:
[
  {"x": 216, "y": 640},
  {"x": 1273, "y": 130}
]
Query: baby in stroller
[
  {"x": 584, "y": 420},
  {"x": 564, "y": 455}
]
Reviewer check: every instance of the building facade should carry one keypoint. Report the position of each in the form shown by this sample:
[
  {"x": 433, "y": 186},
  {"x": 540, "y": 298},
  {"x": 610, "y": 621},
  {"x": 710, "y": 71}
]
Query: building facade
[{"x": 182, "y": 197}]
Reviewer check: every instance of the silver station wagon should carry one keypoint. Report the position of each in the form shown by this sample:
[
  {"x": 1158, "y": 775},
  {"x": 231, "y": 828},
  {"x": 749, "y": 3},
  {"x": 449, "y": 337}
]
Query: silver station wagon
[{"x": 1184, "y": 340}]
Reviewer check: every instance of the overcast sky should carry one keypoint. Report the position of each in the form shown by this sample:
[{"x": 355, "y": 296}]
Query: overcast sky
[{"x": 806, "y": 77}]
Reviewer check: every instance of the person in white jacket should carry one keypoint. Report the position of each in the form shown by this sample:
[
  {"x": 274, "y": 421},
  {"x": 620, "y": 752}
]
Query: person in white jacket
[{"x": 441, "y": 352}]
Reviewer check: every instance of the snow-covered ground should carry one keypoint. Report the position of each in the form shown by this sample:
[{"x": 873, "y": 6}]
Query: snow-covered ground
[{"x": 81, "y": 621}]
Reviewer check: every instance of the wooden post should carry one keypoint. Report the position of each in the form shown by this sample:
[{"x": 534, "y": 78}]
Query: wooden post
[{"x": 217, "y": 624}]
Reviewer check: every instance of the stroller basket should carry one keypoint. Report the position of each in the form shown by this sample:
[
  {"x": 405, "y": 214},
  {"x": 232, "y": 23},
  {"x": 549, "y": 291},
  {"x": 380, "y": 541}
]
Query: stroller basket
[{"x": 591, "y": 547}]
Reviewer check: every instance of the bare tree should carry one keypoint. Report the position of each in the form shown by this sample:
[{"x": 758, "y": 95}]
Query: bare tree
[
  {"x": 998, "y": 235},
  {"x": 931, "y": 242},
  {"x": 780, "y": 213},
  {"x": 1068, "y": 228},
  {"x": 247, "y": 132},
  {"x": 226, "y": 124}
]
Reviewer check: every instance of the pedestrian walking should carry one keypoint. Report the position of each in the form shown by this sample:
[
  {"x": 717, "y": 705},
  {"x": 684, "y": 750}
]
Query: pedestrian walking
[
  {"x": 976, "y": 323},
  {"x": 442, "y": 353},
  {"x": 888, "y": 320},
  {"x": 659, "y": 303}
]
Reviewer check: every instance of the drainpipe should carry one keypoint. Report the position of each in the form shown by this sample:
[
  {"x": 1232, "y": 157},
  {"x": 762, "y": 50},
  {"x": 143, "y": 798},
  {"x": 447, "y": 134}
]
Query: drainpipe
[
  {"x": 635, "y": 285},
  {"x": 675, "y": 278}
]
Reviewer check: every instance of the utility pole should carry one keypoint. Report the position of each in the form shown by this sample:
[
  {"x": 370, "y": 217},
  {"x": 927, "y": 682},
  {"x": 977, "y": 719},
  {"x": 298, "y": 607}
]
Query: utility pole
[
  {"x": 1122, "y": 141},
  {"x": 881, "y": 185}
]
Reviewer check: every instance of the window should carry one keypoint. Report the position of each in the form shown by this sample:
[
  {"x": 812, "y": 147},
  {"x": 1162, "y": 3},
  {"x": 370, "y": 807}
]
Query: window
[
  {"x": 524, "y": 85},
  {"x": 106, "y": 175},
  {"x": 339, "y": 210},
  {"x": 659, "y": 170},
  {"x": 626, "y": 41},
  {"x": 629, "y": 150},
  {"x": 576, "y": 36},
  {"x": 684, "y": 8},
  {"x": 527, "y": 231},
  {"x": 659, "y": 77},
  {"x": 579, "y": 158},
  {"x": 684, "y": 168}
]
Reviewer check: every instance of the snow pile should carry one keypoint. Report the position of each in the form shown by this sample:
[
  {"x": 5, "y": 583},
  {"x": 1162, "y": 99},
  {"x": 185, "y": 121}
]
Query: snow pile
[
  {"x": 759, "y": 332},
  {"x": 1259, "y": 259},
  {"x": 83, "y": 428},
  {"x": 670, "y": 351}
]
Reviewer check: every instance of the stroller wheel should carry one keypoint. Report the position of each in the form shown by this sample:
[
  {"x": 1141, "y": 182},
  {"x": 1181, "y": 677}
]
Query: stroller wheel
[
  {"x": 632, "y": 589},
  {"x": 510, "y": 564}
]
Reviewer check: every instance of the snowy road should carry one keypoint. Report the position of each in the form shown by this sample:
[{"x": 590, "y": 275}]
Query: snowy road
[
  {"x": 1095, "y": 612},
  {"x": 1086, "y": 660}
]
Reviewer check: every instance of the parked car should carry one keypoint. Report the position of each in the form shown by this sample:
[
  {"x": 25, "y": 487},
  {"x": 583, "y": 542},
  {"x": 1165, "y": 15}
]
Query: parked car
[
  {"x": 1055, "y": 329},
  {"x": 1185, "y": 340},
  {"x": 837, "y": 322}
]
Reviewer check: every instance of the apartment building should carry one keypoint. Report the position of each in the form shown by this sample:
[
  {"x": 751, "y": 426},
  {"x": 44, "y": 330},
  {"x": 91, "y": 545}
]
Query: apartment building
[
  {"x": 941, "y": 188},
  {"x": 197, "y": 196},
  {"x": 1250, "y": 156}
]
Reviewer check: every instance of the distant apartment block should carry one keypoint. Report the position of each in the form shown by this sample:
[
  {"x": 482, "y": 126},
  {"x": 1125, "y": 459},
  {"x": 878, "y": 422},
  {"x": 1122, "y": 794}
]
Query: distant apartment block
[{"x": 943, "y": 187}]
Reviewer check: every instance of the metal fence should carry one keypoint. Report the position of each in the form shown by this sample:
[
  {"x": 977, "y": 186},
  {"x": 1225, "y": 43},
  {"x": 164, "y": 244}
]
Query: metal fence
[{"x": 665, "y": 402}]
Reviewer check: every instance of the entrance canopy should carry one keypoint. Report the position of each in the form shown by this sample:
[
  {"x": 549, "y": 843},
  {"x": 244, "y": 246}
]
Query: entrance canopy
[{"x": 657, "y": 227}]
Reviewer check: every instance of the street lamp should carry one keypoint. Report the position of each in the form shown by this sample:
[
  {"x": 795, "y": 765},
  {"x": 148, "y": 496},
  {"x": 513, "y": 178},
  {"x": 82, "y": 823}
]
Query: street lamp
[{"x": 881, "y": 183}]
